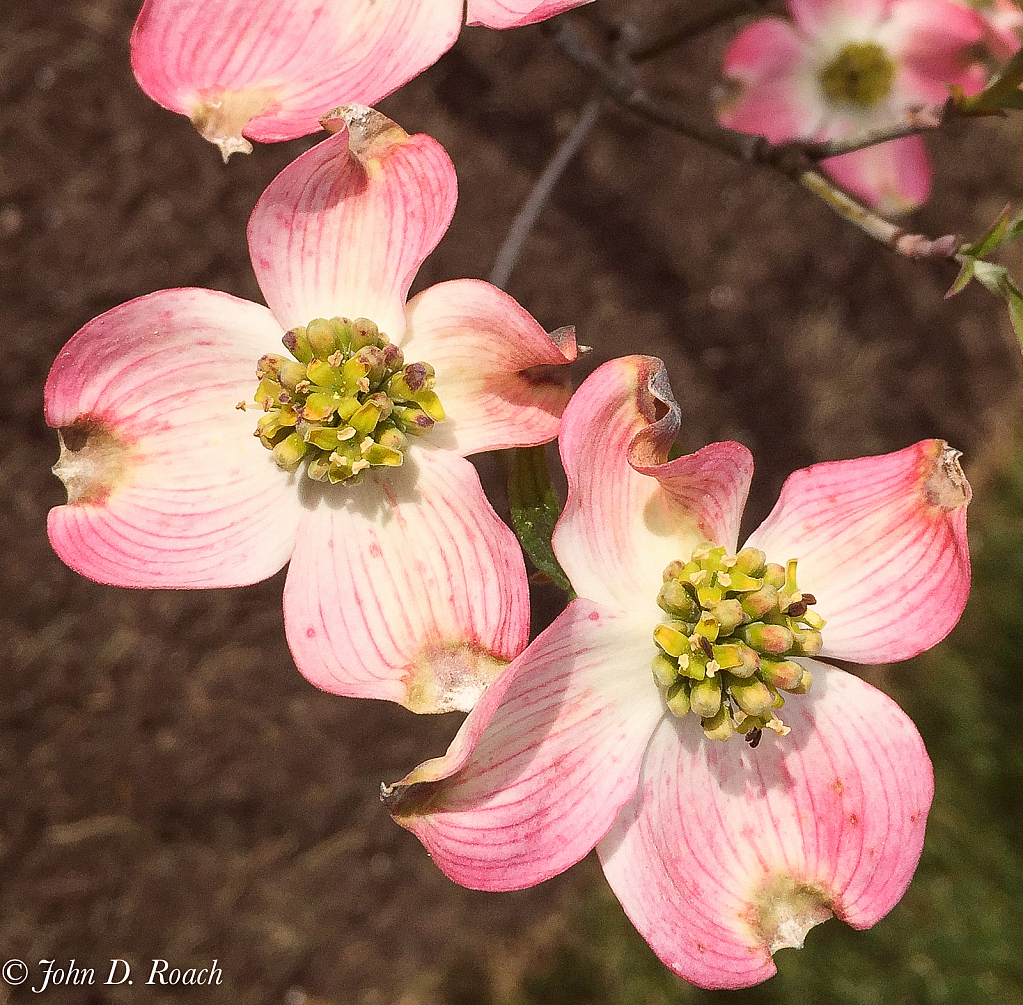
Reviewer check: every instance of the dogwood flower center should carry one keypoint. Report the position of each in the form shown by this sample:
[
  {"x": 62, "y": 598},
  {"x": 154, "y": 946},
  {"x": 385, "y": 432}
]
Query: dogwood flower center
[
  {"x": 861, "y": 74},
  {"x": 725, "y": 651},
  {"x": 346, "y": 402}
]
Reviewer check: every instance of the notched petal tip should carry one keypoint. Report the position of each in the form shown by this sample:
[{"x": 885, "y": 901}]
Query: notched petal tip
[
  {"x": 784, "y": 910},
  {"x": 450, "y": 680},
  {"x": 93, "y": 460},
  {"x": 222, "y": 116},
  {"x": 404, "y": 800},
  {"x": 370, "y": 133},
  {"x": 945, "y": 484},
  {"x": 657, "y": 404}
]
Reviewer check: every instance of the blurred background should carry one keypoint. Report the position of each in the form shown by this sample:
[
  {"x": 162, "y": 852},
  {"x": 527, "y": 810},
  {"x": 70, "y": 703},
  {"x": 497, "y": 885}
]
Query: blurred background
[{"x": 171, "y": 787}]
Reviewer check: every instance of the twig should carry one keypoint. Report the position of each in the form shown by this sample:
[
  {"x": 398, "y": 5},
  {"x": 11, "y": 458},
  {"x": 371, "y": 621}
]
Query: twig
[
  {"x": 921, "y": 119},
  {"x": 723, "y": 12},
  {"x": 905, "y": 243},
  {"x": 792, "y": 159},
  {"x": 530, "y": 211}
]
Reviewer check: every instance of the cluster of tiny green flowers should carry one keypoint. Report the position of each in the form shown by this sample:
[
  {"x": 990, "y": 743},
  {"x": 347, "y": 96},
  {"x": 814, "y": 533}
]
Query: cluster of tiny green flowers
[
  {"x": 346, "y": 402},
  {"x": 861, "y": 74},
  {"x": 725, "y": 654}
]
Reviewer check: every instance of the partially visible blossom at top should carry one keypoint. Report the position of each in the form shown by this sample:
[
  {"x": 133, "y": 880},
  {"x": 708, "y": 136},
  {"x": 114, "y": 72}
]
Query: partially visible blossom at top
[
  {"x": 266, "y": 70},
  {"x": 199, "y": 451},
  {"x": 841, "y": 68},
  {"x": 1003, "y": 25},
  {"x": 619, "y": 726}
]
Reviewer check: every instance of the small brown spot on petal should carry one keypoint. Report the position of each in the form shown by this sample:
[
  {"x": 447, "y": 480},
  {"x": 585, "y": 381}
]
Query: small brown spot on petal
[
  {"x": 838, "y": 787},
  {"x": 853, "y": 819}
]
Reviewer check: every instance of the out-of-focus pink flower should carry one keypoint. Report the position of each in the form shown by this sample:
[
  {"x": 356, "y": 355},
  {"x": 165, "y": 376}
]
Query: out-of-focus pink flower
[
  {"x": 403, "y": 582},
  {"x": 267, "y": 70},
  {"x": 1003, "y": 25},
  {"x": 720, "y": 852},
  {"x": 843, "y": 67}
]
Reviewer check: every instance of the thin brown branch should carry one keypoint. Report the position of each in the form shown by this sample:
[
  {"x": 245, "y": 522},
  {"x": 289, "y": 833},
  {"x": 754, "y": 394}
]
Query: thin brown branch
[{"x": 795, "y": 161}]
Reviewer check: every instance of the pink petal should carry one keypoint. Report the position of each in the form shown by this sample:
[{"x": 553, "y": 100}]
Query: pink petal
[
  {"x": 407, "y": 588},
  {"x": 341, "y": 232},
  {"x": 628, "y": 512},
  {"x": 270, "y": 70},
  {"x": 541, "y": 767},
  {"x": 500, "y": 377},
  {"x": 1003, "y": 21},
  {"x": 932, "y": 37},
  {"x": 893, "y": 177},
  {"x": 881, "y": 545},
  {"x": 831, "y": 18},
  {"x": 171, "y": 488},
  {"x": 515, "y": 13},
  {"x": 720, "y": 835},
  {"x": 775, "y": 91}
]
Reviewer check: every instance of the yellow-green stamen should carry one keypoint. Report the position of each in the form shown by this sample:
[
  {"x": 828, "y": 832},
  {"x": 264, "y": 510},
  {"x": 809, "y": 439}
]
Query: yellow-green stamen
[
  {"x": 861, "y": 74},
  {"x": 345, "y": 403},
  {"x": 725, "y": 650}
]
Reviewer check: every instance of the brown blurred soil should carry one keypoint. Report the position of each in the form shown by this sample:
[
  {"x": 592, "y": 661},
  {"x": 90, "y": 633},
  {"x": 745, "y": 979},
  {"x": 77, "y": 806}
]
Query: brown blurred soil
[{"x": 170, "y": 785}]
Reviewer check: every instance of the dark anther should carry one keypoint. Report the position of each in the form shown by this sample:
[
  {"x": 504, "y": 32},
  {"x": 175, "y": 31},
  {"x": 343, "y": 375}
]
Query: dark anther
[
  {"x": 798, "y": 609},
  {"x": 707, "y": 647},
  {"x": 809, "y": 598},
  {"x": 753, "y": 737}
]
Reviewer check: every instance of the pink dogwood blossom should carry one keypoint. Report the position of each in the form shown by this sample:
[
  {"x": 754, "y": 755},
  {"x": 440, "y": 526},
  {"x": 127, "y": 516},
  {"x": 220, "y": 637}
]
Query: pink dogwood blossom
[
  {"x": 268, "y": 69},
  {"x": 840, "y": 69},
  {"x": 403, "y": 583},
  {"x": 720, "y": 852}
]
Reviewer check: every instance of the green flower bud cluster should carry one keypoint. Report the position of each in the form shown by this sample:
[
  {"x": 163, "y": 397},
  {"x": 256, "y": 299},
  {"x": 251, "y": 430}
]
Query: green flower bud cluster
[
  {"x": 725, "y": 652},
  {"x": 347, "y": 401}
]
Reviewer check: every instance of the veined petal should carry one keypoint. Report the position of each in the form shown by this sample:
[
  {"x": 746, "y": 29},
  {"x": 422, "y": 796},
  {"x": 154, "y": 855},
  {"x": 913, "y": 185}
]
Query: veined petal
[
  {"x": 500, "y": 376},
  {"x": 629, "y": 513},
  {"x": 881, "y": 545},
  {"x": 343, "y": 229},
  {"x": 728, "y": 853},
  {"x": 894, "y": 177},
  {"x": 168, "y": 486},
  {"x": 407, "y": 587},
  {"x": 542, "y": 765},
  {"x": 515, "y": 13},
  {"x": 270, "y": 70}
]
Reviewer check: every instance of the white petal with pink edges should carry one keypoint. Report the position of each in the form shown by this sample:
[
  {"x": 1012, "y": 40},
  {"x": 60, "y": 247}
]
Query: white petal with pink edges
[
  {"x": 342, "y": 231},
  {"x": 727, "y": 853},
  {"x": 628, "y": 514},
  {"x": 543, "y": 764},
  {"x": 500, "y": 377},
  {"x": 881, "y": 545},
  {"x": 270, "y": 70},
  {"x": 514, "y": 13},
  {"x": 172, "y": 488},
  {"x": 408, "y": 587}
]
